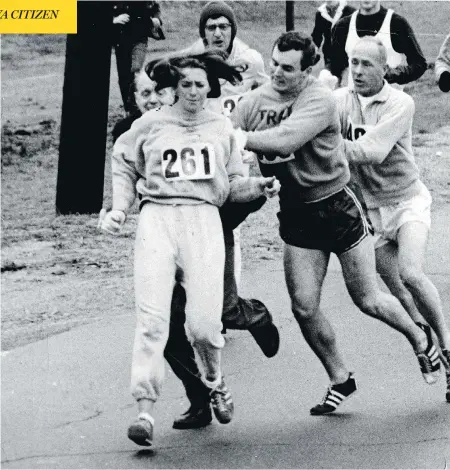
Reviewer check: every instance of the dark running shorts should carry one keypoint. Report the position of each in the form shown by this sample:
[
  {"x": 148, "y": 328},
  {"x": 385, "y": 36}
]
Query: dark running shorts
[{"x": 334, "y": 225}]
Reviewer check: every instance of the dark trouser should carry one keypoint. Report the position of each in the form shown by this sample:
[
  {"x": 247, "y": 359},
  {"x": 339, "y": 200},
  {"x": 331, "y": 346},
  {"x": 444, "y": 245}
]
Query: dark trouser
[
  {"x": 238, "y": 314},
  {"x": 130, "y": 59}
]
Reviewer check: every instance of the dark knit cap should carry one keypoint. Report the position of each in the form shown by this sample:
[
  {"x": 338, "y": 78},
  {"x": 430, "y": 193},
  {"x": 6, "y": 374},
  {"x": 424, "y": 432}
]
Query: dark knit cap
[{"x": 217, "y": 9}]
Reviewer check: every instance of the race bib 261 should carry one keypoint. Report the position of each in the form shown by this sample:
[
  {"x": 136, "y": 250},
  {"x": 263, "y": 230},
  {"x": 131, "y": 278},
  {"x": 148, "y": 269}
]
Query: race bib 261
[{"x": 195, "y": 161}]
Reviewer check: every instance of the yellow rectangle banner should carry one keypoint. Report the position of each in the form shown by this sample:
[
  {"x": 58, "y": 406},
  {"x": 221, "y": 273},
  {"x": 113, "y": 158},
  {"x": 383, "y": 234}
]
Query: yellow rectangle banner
[{"x": 38, "y": 16}]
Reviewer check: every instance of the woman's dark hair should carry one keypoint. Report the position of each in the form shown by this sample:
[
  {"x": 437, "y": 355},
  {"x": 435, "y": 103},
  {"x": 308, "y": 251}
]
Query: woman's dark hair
[
  {"x": 166, "y": 72},
  {"x": 294, "y": 40}
]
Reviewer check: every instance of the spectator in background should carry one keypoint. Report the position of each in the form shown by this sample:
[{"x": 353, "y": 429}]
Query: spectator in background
[
  {"x": 146, "y": 98},
  {"x": 327, "y": 15},
  {"x": 442, "y": 66},
  {"x": 406, "y": 62},
  {"x": 133, "y": 23}
]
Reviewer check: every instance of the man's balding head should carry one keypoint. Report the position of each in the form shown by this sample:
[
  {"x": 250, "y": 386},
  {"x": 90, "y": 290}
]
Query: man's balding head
[{"x": 368, "y": 65}]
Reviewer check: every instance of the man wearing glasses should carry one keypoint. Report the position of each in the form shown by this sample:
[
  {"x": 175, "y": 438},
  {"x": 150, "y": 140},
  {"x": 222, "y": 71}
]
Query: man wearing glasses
[{"x": 218, "y": 29}]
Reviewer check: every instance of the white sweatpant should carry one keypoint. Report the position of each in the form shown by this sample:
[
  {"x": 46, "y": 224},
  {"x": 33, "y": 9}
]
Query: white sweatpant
[{"x": 187, "y": 239}]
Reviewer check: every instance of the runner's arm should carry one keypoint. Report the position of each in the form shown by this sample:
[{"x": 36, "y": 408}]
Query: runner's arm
[
  {"x": 404, "y": 41},
  {"x": 300, "y": 127},
  {"x": 375, "y": 145}
]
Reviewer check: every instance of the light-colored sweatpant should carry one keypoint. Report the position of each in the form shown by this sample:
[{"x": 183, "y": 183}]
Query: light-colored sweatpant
[{"x": 187, "y": 239}]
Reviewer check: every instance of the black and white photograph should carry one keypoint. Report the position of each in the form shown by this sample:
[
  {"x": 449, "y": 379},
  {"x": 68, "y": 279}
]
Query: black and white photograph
[{"x": 225, "y": 235}]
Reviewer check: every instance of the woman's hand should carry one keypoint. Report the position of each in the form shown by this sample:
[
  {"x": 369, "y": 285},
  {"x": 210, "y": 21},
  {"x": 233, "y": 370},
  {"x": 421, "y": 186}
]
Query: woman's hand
[
  {"x": 112, "y": 221},
  {"x": 270, "y": 187}
]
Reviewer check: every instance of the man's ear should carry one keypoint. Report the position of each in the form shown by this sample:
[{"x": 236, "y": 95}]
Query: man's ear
[{"x": 308, "y": 70}]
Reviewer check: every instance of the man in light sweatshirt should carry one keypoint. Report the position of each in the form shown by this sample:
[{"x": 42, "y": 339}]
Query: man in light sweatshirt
[
  {"x": 376, "y": 121},
  {"x": 292, "y": 123}
]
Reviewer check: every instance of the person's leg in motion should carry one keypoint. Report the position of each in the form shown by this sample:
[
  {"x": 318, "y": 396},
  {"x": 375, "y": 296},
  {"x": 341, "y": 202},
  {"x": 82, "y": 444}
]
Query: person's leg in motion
[
  {"x": 387, "y": 268},
  {"x": 203, "y": 258},
  {"x": 359, "y": 270},
  {"x": 412, "y": 241},
  {"x": 246, "y": 314},
  {"x": 154, "y": 278},
  {"x": 305, "y": 272},
  {"x": 180, "y": 356}
]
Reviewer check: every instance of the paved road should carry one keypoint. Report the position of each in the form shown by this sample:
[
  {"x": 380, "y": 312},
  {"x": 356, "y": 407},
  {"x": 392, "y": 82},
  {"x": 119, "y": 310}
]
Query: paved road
[{"x": 65, "y": 400}]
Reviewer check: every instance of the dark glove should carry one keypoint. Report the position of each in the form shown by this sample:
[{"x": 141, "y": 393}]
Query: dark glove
[{"x": 444, "y": 82}]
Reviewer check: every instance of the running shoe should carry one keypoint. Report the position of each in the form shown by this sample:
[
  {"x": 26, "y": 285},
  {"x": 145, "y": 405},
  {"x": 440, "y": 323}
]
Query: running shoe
[
  {"x": 334, "y": 396},
  {"x": 446, "y": 353},
  {"x": 195, "y": 417},
  {"x": 430, "y": 364},
  {"x": 140, "y": 430},
  {"x": 222, "y": 403}
]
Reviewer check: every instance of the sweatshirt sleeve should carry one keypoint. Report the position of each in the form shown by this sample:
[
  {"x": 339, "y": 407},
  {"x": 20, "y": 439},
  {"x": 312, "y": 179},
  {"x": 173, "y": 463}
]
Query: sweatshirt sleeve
[
  {"x": 124, "y": 160},
  {"x": 442, "y": 63},
  {"x": 375, "y": 145},
  {"x": 404, "y": 42},
  {"x": 305, "y": 122},
  {"x": 242, "y": 188}
]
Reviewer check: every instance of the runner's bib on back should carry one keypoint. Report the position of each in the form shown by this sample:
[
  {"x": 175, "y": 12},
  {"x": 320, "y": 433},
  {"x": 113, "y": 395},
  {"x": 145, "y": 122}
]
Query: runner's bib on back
[
  {"x": 355, "y": 131},
  {"x": 229, "y": 103},
  {"x": 196, "y": 161}
]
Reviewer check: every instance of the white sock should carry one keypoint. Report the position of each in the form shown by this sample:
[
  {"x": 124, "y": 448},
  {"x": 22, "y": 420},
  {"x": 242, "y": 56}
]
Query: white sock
[
  {"x": 147, "y": 417},
  {"x": 214, "y": 384}
]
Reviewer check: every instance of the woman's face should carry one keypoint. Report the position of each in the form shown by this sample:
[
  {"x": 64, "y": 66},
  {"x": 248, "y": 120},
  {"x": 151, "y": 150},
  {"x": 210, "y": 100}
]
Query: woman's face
[
  {"x": 192, "y": 89},
  {"x": 146, "y": 96}
]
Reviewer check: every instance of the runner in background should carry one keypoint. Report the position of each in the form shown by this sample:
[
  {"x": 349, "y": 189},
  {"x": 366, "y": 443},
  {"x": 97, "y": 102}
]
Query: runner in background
[
  {"x": 218, "y": 29},
  {"x": 405, "y": 59},
  {"x": 327, "y": 15}
]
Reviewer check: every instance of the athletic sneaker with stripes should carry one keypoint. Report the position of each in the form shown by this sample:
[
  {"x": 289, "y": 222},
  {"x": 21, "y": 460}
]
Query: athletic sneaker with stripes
[
  {"x": 222, "y": 403},
  {"x": 429, "y": 361},
  {"x": 335, "y": 395},
  {"x": 446, "y": 353}
]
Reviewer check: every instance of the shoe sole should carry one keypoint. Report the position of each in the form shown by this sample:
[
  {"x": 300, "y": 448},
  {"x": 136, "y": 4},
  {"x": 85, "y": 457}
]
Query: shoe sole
[
  {"x": 139, "y": 436},
  {"x": 181, "y": 427},
  {"x": 340, "y": 404}
]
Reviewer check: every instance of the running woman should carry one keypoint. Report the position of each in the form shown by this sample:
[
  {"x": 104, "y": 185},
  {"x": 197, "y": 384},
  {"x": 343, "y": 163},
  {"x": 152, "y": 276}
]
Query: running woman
[{"x": 184, "y": 162}]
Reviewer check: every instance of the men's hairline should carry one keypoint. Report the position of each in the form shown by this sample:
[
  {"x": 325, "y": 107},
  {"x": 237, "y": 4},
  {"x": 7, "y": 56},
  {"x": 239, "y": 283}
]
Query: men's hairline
[
  {"x": 292, "y": 49},
  {"x": 382, "y": 53}
]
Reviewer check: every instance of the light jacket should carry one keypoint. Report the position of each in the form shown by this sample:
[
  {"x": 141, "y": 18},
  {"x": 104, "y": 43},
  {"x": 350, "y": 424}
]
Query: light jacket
[{"x": 378, "y": 145}]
